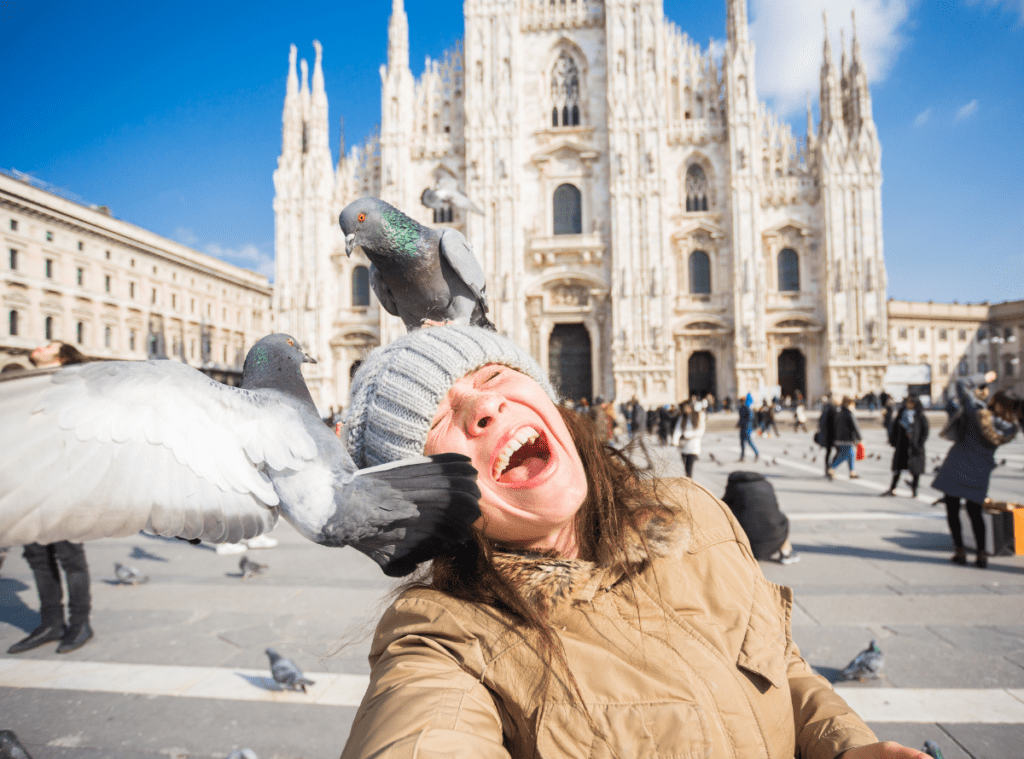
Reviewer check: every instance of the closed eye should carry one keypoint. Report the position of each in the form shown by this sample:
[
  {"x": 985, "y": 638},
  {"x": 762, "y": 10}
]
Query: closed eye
[{"x": 491, "y": 376}]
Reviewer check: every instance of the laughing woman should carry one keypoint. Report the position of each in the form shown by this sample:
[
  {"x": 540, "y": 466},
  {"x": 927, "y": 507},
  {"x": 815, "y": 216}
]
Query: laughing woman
[{"x": 593, "y": 615}]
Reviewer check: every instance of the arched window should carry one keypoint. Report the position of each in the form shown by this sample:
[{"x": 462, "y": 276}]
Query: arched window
[
  {"x": 982, "y": 364},
  {"x": 360, "y": 286},
  {"x": 789, "y": 271},
  {"x": 700, "y": 273},
  {"x": 106, "y": 337},
  {"x": 567, "y": 208},
  {"x": 13, "y": 323},
  {"x": 565, "y": 92},
  {"x": 696, "y": 188},
  {"x": 80, "y": 333},
  {"x": 48, "y": 327}
]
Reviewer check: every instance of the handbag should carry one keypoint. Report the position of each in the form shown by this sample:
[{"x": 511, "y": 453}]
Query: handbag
[
  {"x": 861, "y": 453},
  {"x": 819, "y": 439}
]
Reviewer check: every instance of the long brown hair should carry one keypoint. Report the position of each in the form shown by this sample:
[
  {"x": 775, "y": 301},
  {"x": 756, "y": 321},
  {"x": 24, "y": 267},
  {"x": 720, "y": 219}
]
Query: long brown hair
[{"x": 608, "y": 528}]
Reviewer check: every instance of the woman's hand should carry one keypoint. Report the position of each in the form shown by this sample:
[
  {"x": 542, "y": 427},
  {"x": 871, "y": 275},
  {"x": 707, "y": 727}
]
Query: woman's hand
[
  {"x": 886, "y": 750},
  {"x": 990, "y": 377}
]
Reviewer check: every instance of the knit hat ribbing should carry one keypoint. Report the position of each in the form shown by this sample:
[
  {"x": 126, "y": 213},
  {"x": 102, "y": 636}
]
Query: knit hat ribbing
[{"x": 396, "y": 392}]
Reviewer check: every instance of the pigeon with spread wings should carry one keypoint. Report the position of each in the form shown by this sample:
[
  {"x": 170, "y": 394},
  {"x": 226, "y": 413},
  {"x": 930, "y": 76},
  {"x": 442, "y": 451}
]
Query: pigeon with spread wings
[
  {"x": 420, "y": 274},
  {"x": 109, "y": 448},
  {"x": 446, "y": 192}
]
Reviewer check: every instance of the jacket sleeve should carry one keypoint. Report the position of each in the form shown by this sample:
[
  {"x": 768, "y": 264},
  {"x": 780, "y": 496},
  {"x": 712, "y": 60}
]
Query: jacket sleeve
[
  {"x": 826, "y": 726},
  {"x": 423, "y": 700}
]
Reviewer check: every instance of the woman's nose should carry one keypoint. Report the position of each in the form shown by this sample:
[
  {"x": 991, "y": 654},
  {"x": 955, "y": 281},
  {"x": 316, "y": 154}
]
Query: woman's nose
[{"x": 484, "y": 410}]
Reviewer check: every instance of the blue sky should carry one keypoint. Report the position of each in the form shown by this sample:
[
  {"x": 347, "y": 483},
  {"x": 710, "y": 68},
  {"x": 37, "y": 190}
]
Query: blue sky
[{"x": 171, "y": 113}]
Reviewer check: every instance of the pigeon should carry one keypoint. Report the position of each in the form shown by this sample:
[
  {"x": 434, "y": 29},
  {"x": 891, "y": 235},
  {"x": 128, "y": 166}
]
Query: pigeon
[
  {"x": 446, "y": 192},
  {"x": 250, "y": 568},
  {"x": 286, "y": 673},
  {"x": 109, "y": 448},
  {"x": 10, "y": 747},
  {"x": 129, "y": 575},
  {"x": 865, "y": 665},
  {"x": 932, "y": 750},
  {"x": 423, "y": 275},
  {"x": 243, "y": 753}
]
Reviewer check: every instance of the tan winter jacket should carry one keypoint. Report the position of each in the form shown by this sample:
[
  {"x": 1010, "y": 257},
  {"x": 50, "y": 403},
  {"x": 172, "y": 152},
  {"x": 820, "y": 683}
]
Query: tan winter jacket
[{"x": 693, "y": 658}]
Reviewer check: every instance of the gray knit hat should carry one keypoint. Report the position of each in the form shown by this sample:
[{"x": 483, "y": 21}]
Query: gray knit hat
[{"x": 396, "y": 392}]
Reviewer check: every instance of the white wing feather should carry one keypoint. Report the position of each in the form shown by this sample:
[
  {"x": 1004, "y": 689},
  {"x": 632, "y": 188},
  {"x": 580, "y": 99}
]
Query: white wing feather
[{"x": 108, "y": 449}]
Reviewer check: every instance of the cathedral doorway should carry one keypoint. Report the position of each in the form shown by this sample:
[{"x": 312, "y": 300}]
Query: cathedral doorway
[
  {"x": 569, "y": 361},
  {"x": 792, "y": 373},
  {"x": 702, "y": 377}
]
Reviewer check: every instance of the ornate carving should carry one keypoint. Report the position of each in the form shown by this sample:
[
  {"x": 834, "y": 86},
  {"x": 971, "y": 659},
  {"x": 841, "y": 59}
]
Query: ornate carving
[{"x": 570, "y": 295}]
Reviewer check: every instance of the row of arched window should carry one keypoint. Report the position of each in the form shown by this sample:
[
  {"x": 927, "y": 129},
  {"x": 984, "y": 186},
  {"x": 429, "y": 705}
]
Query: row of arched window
[
  {"x": 15, "y": 328},
  {"x": 700, "y": 272}
]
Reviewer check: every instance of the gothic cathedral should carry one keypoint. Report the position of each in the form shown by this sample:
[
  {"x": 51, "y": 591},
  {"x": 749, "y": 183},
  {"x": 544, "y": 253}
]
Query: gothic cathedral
[{"x": 648, "y": 226}]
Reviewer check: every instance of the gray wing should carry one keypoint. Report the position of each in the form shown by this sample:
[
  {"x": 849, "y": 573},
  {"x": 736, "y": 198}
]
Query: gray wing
[
  {"x": 456, "y": 250},
  {"x": 110, "y": 448},
  {"x": 431, "y": 199},
  {"x": 447, "y": 189},
  {"x": 382, "y": 291}
]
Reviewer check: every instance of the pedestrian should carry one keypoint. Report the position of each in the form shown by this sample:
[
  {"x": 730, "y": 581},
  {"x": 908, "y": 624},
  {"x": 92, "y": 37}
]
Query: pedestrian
[
  {"x": 977, "y": 430},
  {"x": 688, "y": 432},
  {"x": 890, "y": 412},
  {"x": 846, "y": 436},
  {"x": 638, "y": 417},
  {"x": 769, "y": 419},
  {"x": 908, "y": 435},
  {"x": 666, "y": 423},
  {"x": 596, "y": 612},
  {"x": 799, "y": 415},
  {"x": 47, "y": 561},
  {"x": 825, "y": 436},
  {"x": 746, "y": 425},
  {"x": 602, "y": 415},
  {"x": 751, "y": 498},
  {"x": 727, "y": 404}
]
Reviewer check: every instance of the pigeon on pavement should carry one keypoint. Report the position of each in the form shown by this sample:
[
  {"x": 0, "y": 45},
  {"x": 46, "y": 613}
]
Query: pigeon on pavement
[
  {"x": 932, "y": 750},
  {"x": 865, "y": 665},
  {"x": 10, "y": 747},
  {"x": 446, "y": 192},
  {"x": 250, "y": 568},
  {"x": 286, "y": 673},
  {"x": 129, "y": 575},
  {"x": 109, "y": 448},
  {"x": 420, "y": 274},
  {"x": 243, "y": 753}
]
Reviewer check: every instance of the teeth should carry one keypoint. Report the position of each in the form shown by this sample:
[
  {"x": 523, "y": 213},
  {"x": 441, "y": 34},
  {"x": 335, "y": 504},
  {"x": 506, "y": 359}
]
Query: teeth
[{"x": 521, "y": 438}]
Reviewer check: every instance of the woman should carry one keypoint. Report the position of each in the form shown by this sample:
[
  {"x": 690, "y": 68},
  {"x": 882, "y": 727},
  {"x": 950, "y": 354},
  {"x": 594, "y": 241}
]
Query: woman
[
  {"x": 799, "y": 415},
  {"x": 746, "y": 425},
  {"x": 846, "y": 435},
  {"x": 977, "y": 432},
  {"x": 590, "y": 616},
  {"x": 688, "y": 433},
  {"x": 907, "y": 434}
]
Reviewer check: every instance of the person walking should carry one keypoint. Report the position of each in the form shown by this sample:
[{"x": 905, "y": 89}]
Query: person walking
[
  {"x": 846, "y": 436},
  {"x": 639, "y": 418},
  {"x": 977, "y": 430},
  {"x": 688, "y": 433},
  {"x": 746, "y": 425},
  {"x": 799, "y": 415},
  {"x": 825, "y": 436},
  {"x": 769, "y": 419},
  {"x": 46, "y": 561},
  {"x": 909, "y": 431}
]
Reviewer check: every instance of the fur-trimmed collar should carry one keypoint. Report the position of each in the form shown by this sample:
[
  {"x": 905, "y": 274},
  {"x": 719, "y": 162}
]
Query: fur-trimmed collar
[{"x": 547, "y": 580}]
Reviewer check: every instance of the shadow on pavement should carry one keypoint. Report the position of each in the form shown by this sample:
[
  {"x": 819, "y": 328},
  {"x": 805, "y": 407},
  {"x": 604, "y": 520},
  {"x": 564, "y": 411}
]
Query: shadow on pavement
[
  {"x": 263, "y": 683},
  {"x": 13, "y": 610},
  {"x": 871, "y": 553}
]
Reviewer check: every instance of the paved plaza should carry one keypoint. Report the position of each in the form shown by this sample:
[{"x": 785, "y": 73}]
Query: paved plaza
[{"x": 177, "y": 667}]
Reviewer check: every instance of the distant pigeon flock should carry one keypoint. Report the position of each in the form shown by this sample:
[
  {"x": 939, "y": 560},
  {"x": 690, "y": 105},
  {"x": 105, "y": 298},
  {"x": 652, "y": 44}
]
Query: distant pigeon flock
[
  {"x": 106, "y": 449},
  {"x": 286, "y": 673},
  {"x": 423, "y": 275}
]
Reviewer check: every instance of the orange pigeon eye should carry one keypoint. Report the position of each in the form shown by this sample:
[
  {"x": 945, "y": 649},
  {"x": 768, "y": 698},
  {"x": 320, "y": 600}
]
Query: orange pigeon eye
[
  {"x": 362, "y": 217},
  {"x": 291, "y": 342}
]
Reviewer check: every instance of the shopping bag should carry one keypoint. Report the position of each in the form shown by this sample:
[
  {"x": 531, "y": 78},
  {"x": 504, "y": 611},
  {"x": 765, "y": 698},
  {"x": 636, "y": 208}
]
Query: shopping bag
[{"x": 860, "y": 452}]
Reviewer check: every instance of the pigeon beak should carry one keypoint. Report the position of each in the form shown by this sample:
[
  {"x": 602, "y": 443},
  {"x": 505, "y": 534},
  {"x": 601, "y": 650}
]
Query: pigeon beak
[
  {"x": 307, "y": 359},
  {"x": 350, "y": 244}
]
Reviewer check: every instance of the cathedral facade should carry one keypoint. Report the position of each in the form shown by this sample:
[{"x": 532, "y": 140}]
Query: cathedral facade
[{"x": 648, "y": 226}]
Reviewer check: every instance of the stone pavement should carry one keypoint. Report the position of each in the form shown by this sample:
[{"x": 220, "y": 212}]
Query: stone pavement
[{"x": 177, "y": 666}]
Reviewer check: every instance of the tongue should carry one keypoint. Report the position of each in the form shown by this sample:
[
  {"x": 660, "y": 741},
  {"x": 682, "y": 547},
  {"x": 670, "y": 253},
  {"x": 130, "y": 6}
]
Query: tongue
[{"x": 527, "y": 470}]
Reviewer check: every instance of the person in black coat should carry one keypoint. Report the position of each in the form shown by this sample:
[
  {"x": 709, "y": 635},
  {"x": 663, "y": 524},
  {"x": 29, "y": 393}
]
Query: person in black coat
[
  {"x": 752, "y": 501},
  {"x": 976, "y": 431},
  {"x": 825, "y": 436},
  {"x": 907, "y": 434},
  {"x": 846, "y": 435}
]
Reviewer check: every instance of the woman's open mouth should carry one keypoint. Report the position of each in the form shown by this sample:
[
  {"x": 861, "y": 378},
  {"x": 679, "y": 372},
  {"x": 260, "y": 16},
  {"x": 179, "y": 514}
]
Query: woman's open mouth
[{"x": 523, "y": 457}]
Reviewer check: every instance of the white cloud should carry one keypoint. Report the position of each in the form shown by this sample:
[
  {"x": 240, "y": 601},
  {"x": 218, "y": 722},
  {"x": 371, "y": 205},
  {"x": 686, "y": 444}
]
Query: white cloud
[
  {"x": 922, "y": 118},
  {"x": 1012, "y": 5},
  {"x": 185, "y": 236},
  {"x": 248, "y": 257},
  {"x": 717, "y": 48},
  {"x": 789, "y": 37},
  {"x": 966, "y": 110}
]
